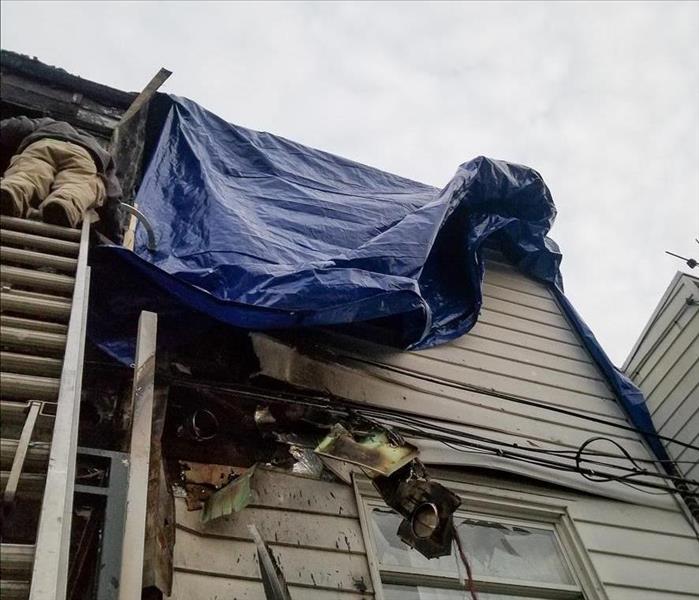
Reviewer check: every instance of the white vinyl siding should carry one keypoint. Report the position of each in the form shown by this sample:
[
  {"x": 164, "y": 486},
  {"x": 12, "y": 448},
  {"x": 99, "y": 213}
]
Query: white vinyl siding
[
  {"x": 665, "y": 365},
  {"x": 313, "y": 531},
  {"x": 522, "y": 346}
]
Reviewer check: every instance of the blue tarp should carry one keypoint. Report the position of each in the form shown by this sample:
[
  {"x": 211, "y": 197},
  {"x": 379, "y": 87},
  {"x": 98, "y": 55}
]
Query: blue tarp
[{"x": 259, "y": 232}]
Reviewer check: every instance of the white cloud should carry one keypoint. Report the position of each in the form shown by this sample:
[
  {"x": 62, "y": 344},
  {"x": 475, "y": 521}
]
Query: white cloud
[{"x": 601, "y": 98}]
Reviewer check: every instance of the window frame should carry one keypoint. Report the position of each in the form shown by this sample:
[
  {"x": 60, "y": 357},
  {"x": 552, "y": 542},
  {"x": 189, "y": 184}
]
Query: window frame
[{"x": 489, "y": 503}]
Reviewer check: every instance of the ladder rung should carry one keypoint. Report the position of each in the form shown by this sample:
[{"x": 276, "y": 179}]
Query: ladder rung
[
  {"x": 37, "y": 259},
  {"x": 29, "y": 364},
  {"x": 15, "y": 386},
  {"x": 31, "y": 485},
  {"x": 38, "y": 242},
  {"x": 16, "y": 561},
  {"x": 14, "y": 590},
  {"x": 40, "y": 305},
  {"x": 39, "y": 280},
  {"x": 33, "y": 324},
  {"x": 14, "y": 414},
  {"x": 45, "y": 229},
  {"x": 35, "y": 341},
  {"x": 37, "y": 455}
]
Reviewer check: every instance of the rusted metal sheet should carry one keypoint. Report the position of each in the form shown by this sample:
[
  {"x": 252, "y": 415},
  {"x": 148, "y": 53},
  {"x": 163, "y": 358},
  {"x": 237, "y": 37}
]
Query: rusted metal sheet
[{"x": 373, "y": 450}]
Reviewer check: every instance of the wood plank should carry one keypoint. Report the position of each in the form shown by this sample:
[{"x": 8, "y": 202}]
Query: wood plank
[
  {"x": 528, "y": 356},
  {"x": 477, "y": 367},
  {"x": 680, "y": 375},
  {"x": 684, "y": 401},
  {"x": 683, "y": 418},
  {"x": 491, "y": 290},
  {"x": 529, "y": 327},
  {"x": 648, "y": 574},
  {"x": 686, "y": 342},
  {"x": 279, "y": 526},
  {"x": 615, "y": 592},
  {"x": 621, "y": 516},
  {"x": 478, "y": 410},
  {"x": 524, "y": 339},
  {"x": 193, "y": 586},
  {"x": 639, "y": 544},
  {"x": 686, "y": 329},
  {"x": 508, "y": 277},
  {"x": 525, "y": 312},
  {"x": 675, "y": 307},
  {"x": 280, "y": 490},
  {"x": 688, "y": 456},
  {"x": 446, "y": 379},
  {"x": 304, "y": 566}
]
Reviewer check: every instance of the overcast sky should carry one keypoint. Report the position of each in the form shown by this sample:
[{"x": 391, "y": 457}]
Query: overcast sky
[{"x": 601, "y": 98}]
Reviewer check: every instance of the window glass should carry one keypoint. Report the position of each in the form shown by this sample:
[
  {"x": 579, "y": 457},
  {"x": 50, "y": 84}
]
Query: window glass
[
  {"x": 406, "y": 592},
  {"x": 497, "y": 549},
  {"x": 392, "y": 552}
]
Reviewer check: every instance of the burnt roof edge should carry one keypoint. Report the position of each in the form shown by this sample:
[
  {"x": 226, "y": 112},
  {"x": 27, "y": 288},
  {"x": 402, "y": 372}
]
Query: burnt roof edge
[{"x": 34, "y": 68}]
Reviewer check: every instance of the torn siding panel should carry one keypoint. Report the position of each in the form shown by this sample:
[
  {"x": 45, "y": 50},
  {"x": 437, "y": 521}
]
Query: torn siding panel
[{"x": 312, "y": 528}]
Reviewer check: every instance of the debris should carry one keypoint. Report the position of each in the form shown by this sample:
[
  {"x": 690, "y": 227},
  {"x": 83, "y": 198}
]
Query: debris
[
  {"x": 270, "y": 573},
  {"x": 264, "y": 418},
  {"x": 340, "y": 468},
  {"x": 307, "y": 463},
  {"x": 208, "y": 474},
  {"x": 201, "y": 426},
  {"x": 377, "y": 450},
  {"x": 198, "y": 481},
  {"x": 234, "y": 497}
]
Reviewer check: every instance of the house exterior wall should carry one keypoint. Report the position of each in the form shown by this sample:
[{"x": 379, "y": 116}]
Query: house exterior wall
[
  {"x": 665, "y": 365},
  {"x": 639, "y": 546},
  {"x": 312, "y": 528},
  {"x": 508, "y": 378},
  {"x": 636, "y": 552}
]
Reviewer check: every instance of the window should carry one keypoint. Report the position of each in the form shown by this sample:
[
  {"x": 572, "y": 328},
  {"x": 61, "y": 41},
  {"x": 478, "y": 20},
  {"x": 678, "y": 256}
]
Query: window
[{"x": 516, "y": 553}]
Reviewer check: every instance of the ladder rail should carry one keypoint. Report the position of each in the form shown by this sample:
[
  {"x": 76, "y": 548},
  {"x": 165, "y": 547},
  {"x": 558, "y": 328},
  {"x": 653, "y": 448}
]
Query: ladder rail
[
  {"x": 50, "y": 572},
  {"x": 21, "y": 454}
]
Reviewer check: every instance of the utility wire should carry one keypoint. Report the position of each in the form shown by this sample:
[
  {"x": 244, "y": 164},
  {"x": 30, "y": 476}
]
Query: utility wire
[
  {"x": 331, "y": 405},
  {"x": 416, "y": 427},
  {"x": 517, "y": 399}
]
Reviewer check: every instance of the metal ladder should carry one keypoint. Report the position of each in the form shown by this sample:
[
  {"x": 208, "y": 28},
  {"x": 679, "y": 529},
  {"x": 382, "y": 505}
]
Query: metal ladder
[{"x": 43, "y": 309}]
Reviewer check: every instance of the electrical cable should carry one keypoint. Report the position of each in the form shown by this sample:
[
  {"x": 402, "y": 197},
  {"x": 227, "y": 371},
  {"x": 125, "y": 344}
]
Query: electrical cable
[
  {"x": 347, "y": 408},
  {"x": 470, "y": 586},
  {"x": 411, "y": 430},
  {"x": 330, "y": 405},
  {"x": 505, "y": 396},
  {"x": 637, "y": 470}
]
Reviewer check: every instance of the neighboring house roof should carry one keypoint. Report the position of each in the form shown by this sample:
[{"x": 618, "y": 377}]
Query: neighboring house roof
[{"x": 664, "y": 363}]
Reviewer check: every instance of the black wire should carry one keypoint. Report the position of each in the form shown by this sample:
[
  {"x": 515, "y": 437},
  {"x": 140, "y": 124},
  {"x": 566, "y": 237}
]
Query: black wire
[
  {"x": 325, "y": 403},
  {"x": 348, "y": 408},
  {"x": 559, "y": 466},
  {"x": 460, "y": 434},
  {"x": 504, "y": 396}
]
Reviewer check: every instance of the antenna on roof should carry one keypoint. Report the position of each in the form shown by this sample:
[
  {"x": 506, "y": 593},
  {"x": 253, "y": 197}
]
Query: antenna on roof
[{"x": 691, "y": 263}]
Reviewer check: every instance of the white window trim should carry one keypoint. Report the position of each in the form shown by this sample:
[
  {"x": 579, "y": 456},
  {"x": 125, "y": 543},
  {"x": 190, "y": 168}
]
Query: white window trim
[{"x": 481, "y": 500}]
